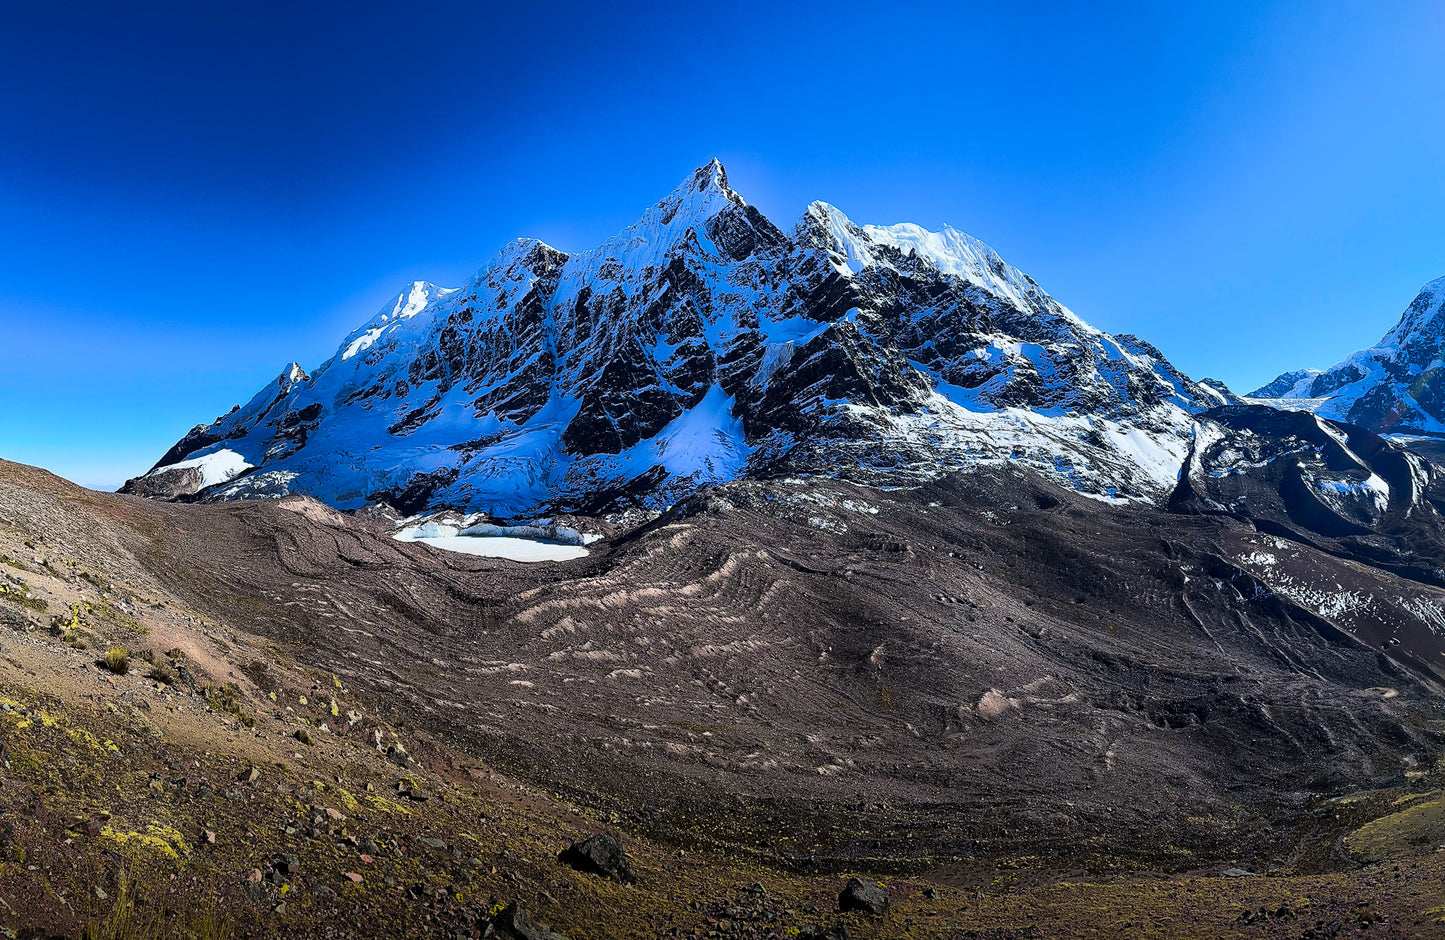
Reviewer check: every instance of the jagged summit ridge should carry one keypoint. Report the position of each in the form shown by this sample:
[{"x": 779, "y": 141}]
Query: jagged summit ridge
[
  {"x": 698, "y": 345},
  {"x": 1395, "y": 386},
  {"x": 949, "y": 251}
]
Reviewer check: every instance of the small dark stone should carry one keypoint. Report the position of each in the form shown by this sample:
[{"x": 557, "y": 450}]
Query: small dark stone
[
  {"x": 602, "y": 855},
  {"x": 515, "y": 922},
  {"x": 859, "y": 895}
]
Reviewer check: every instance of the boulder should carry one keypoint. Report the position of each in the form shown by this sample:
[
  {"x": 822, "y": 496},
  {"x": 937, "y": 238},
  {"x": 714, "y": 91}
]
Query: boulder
[
  {"x": 815, "y": 932},
  {"x": 860, "y": 895},
  {"x": 515, "y": 922},
  {"x": 602, "y": 855}
]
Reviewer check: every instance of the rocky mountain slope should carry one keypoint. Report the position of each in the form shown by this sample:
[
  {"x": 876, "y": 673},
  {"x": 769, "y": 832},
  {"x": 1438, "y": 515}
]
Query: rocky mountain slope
[
  {"x": 1305, "y": 480},
  {"x": 700, "y": 345},
  {"x": 1026, "y": 713},
  {"x": 1395, "y": 386}
]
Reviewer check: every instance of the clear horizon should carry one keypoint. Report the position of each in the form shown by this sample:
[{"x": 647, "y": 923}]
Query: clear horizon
[{"x": 198, "y": 196}]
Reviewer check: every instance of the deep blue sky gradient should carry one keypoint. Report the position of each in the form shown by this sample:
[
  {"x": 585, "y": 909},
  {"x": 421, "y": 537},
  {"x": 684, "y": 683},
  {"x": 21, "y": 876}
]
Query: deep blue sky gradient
[{"x": 191, "y": 195}]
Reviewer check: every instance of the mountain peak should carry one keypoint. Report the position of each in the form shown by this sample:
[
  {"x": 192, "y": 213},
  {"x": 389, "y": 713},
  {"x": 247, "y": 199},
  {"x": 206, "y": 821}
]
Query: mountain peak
[
  {"x": 1418, "y": 318},
  {"x": 1393, "y": 386},
  {"x": 525, "y": 253},
  {"x": 411, "y": 300},
  {"x": 702, "y": 344},
  {"x": 1294, "y": 384},
  {"x": 701, "y": 197},
  {"x": 706, "y": 187},
  {"x": 710, "y": 176}
]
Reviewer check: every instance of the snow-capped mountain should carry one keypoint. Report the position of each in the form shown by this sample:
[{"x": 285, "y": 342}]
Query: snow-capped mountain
[
  {"x": 1395, "y": 386},
  {"x": 1286, "y": 384},
  {"x": 701, "y": 344}
]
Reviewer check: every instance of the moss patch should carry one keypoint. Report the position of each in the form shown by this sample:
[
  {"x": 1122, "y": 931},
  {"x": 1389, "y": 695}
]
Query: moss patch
[
  {"x": 1409, "y": 832},
  {"x": 159, "y": 840}
]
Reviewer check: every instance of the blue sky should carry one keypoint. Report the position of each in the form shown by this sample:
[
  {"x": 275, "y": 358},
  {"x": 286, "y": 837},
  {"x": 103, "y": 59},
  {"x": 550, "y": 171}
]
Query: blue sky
[{"x": 192, "y": 195}]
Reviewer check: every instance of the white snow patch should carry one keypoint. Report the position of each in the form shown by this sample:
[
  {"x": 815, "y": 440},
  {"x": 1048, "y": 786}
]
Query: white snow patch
[
  {"x": 706, "y": 440},
  {"x": 1429, "y": 610},
  {"x": 362, "y": 342},
  {"x": 216, "y": 467},
  {"x": 497, "y": 546},
  {"x": 1373, "y": 488},
  {"x": 541, "y": 541}
]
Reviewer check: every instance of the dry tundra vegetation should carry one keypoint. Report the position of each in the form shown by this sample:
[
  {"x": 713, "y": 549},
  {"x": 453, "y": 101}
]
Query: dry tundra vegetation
[{"x": 998, "y": 707}]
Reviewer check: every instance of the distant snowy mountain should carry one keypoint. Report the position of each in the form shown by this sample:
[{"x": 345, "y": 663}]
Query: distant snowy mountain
[
  {"x": 1286, "y": 385},
  {"x": 701, "y": 344},
  {"x": 1395, "y": 386}
]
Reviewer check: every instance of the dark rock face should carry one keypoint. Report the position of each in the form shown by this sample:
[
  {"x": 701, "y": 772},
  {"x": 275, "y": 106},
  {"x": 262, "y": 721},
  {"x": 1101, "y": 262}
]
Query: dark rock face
[
  {"x": 704, "y": 344},
  {"x": 1320, "y": 476},
  {"x": 1300, "y": 479},
  {"x": 418, "y": 492},
  {"x": 172, "y": 483},
  {"x": 601, "y": 855},
  {"x": 866, "y": 896},
  {"x": 1311, "y": 479}
]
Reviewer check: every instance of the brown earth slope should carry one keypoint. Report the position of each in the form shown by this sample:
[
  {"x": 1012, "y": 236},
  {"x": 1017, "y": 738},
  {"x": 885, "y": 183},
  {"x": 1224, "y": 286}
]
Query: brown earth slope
[{"x": 1029, "y": 713}]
